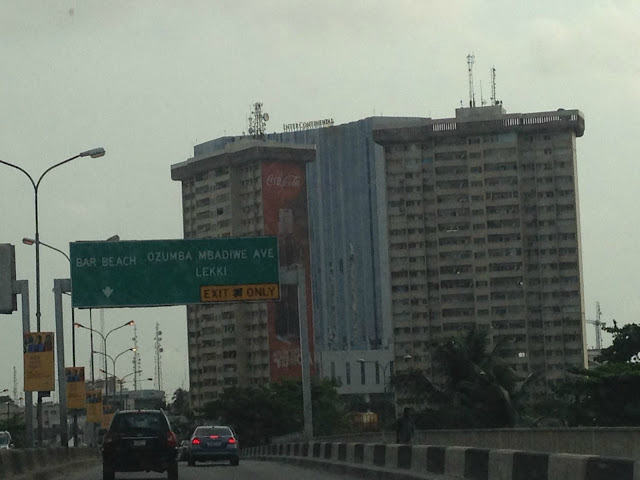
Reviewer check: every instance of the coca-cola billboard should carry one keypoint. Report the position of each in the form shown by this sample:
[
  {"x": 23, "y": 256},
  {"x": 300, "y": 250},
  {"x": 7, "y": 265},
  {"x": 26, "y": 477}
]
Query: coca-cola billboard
[
  {"x": 284, "y": 180},
  {"x": 284, "y": 204},
  {"x": 283, "y": 183}
]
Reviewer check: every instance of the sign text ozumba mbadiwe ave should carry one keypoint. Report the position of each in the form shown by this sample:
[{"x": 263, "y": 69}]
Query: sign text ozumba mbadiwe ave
[{"x": 174, "y": 272}]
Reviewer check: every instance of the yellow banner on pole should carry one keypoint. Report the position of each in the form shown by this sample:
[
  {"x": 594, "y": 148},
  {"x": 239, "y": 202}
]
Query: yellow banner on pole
[
  {"x": 108, "y": 411},
  {"x": 76, "y": 397},
  {"x": 94, "y": 406},
  {"x": 39, "y": 373}
]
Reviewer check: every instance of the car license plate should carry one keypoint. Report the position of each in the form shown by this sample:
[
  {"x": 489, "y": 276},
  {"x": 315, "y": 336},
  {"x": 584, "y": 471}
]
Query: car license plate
[
  {"x": 215, "y": 444},
  {"x": 139, "y": 443}
]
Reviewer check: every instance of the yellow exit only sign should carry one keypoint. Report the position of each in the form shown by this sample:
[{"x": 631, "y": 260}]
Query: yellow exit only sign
[{"x": 239, "y": 293}]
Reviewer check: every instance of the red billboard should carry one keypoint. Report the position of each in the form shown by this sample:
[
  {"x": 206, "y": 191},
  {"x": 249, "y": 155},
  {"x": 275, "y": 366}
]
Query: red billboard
[{"x": 284, "y": 202}]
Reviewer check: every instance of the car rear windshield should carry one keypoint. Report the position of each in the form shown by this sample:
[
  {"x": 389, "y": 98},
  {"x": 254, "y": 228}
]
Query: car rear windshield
[
  {"x": 139, "y": 422},
  {"x": 208, "y": 431}
]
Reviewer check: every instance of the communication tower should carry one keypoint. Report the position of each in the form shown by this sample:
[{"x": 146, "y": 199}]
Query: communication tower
[
  {"x": 159, "y": 350},
  {"x": 472, "y": 96},
  {"x": 257, "y": 121},
  {"x": 494, "y": 99},
  {"x": 136, "y": 357},
  {"x": 598, "y": 324}
]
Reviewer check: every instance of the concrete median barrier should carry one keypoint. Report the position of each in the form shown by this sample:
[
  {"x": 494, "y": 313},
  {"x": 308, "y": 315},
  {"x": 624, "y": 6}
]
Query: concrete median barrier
[
  {"x": 431, "y": 462},
  {"x": 45, "y": 463}
]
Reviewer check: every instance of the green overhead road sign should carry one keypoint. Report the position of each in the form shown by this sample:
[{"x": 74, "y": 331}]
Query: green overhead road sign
[{"x": 173, "y": 272}]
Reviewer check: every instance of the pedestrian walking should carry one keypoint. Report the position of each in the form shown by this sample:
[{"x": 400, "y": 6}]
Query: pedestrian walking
[{"x": 405, "y": 428}]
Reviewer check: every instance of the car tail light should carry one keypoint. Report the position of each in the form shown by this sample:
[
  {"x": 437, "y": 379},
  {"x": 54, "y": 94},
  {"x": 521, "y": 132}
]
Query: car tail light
[
  {"x": 232, "y": 440},
  {"x": 215, "y": 437},
  {"x": 172, "y": 440},
  {"x": 195, "y": 441}
]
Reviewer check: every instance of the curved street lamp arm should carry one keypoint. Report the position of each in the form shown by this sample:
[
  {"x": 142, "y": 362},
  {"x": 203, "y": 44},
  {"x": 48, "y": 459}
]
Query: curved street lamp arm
[
  {"x": 30, "y": 241},
  {"x": 52, "y": 167},
  {"x": 117, "y": 328},
  {"x": 129, "y": 374},
  {"x": 104, "y": 354},
  {"x": 23, "y": 171},
  {"x": 122, "y": 353},
  {"x": 91, "y": 329}
]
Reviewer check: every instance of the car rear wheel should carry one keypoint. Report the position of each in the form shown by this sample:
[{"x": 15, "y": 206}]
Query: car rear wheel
[
  {"x": 108, "y": 473},
  {"x": 172, "y": 471},
  {"x": 234, "y": 461},
  {"x": 191, "y": 462}
]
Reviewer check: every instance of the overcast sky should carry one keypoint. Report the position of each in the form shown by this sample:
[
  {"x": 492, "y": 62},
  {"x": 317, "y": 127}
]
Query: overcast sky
[{"x": 147, "y": 80}]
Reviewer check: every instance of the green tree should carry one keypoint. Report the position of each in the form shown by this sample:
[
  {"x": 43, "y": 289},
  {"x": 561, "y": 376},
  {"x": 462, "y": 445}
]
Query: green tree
[
  {"x": 180, "y": 403},
  {"x": 625, "y": 345},
  {"x": 476, "y": 389},
  {"x": 251, "y": 411},
  {"x": 605, "y": 396},
  {"x": 258, "y": 413}
]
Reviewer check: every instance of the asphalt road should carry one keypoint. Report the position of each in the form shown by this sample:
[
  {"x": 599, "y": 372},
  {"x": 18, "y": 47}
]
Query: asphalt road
[{"x": 247, "y": 470}]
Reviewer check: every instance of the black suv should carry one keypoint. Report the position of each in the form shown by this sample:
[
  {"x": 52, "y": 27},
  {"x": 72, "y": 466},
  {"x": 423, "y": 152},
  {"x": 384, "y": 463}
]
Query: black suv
[{"x": 139, "y": 440}]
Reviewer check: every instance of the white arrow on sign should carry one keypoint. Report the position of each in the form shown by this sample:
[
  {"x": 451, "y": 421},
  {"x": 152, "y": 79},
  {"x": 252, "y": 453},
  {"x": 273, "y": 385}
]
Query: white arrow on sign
[{"x": 107, "y": 291}]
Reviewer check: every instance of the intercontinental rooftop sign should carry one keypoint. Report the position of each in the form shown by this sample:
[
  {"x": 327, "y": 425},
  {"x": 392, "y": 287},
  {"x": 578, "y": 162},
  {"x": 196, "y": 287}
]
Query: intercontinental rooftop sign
[{"x": 295, "y": 127}]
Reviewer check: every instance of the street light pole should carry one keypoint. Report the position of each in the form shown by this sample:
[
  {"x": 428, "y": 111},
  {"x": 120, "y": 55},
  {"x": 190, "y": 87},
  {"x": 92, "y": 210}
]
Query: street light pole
[
  {"x": 388, "y": 365},
  {"x": 104, "y": 343},
  {"x": 93, "y": 153},
  {"x": 30, "y": 241},
  {"x": 113, "y": 360}
]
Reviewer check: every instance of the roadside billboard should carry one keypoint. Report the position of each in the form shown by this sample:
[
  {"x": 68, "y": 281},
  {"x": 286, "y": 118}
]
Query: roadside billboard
[
  {"x": 8, "y": 301},
  {"x": 94, "y": 406},
  {"x": 108, "y": 411},
  {"x": 284, "y": 203},
  {"x": 76, "y": 397},
  {"x": 39, "y": 374}
]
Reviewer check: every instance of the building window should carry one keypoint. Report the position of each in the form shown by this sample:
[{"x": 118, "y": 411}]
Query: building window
[
  {"x": 348, "y": 373},
  {"x": 362, "y": 373},
  {"x": 377, "y": 373},
  {"x": 333, "y": 370}
]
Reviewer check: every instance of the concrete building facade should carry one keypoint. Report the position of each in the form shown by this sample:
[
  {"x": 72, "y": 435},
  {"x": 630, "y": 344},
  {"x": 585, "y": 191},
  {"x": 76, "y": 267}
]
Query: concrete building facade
[
  {"x": 247, "y": 188},
  {"x": 349, "y": 268},
  {"x": 483, "y": 229}
]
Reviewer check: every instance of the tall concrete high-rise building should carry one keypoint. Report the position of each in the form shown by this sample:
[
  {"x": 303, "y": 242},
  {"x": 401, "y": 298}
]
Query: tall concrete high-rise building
[
  {"x": 247, "y": 188},
  {"x": 484, "y": 229},
  {"x": 349, "y": 268}
]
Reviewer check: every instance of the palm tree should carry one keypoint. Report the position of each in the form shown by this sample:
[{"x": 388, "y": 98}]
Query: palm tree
[
  {"x": 476, "y": 388},
  {"x": 180, "y": 404}
]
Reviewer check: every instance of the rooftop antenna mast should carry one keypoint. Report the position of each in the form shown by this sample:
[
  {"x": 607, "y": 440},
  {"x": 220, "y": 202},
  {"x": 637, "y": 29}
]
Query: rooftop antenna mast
[
  {"x": 472, "y": 96},
  {"x": 494, "y": 99},
  {"x": 258, "y": 121}
]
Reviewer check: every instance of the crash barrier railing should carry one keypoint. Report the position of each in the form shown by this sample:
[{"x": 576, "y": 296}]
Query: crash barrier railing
[
  {"x": 45, "y": 463},
  {"x": 602, "y": 441},
  {"x": 430, "y": 461}
]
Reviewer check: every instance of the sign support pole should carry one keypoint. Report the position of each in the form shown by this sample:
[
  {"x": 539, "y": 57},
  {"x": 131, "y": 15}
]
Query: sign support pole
[
  {"x": 21, "y": 287},
  {"x": 297, "y": 278},
  {"x": 61, "y": 286}
]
